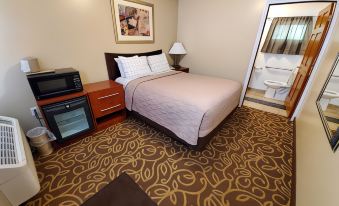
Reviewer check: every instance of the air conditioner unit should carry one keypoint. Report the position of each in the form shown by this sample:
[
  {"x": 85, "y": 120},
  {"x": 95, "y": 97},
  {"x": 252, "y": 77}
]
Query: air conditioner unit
[{"x": 18, "y": 176}]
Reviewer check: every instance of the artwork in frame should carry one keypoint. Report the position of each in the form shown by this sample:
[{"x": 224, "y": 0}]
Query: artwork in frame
[{"x": 133, "y": 21}]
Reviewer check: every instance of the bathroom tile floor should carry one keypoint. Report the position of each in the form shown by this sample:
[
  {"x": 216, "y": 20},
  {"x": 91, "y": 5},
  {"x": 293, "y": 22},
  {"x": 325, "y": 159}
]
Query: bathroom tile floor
[
  {"x": 265, "y": 108},
  {"x": 260, "y": 95},
  {"x": 332, "y": 115},
  {"x": 332, "y": 111}
]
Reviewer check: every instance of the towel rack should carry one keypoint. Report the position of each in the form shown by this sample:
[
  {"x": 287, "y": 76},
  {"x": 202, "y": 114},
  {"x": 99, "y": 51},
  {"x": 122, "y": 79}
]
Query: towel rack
[
  {"x": 258, "y": 68},
  {"x": 279, "y": 68}
]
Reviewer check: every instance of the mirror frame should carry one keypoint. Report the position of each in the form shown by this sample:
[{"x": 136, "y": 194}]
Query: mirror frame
[{"x": 334, "y": 142}]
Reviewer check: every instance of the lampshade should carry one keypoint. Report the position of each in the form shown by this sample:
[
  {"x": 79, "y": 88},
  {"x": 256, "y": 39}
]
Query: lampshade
[
  {"x": 177, "y": 48},
  {"x": 29, "y": 64}
]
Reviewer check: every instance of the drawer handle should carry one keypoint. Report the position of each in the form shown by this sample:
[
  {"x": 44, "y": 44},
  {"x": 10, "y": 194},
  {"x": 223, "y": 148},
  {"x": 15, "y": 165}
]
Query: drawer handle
[
  {"x": 110, "y": 108},
  {"x": 111, "y": 95}
]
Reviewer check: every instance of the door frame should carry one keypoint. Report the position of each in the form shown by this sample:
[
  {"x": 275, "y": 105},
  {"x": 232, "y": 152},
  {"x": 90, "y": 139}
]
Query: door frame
[{"x": 257, "y": 44}]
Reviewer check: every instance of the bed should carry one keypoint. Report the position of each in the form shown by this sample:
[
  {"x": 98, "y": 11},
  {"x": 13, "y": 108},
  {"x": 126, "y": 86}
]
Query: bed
[{"x": 187, "y": 107}]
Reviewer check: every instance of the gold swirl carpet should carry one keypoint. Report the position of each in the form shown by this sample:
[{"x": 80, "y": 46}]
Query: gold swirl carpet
[{"x": 249, "y": 162}]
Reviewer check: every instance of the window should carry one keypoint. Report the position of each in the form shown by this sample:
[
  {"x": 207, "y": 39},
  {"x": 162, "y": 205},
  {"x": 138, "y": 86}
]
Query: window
[
  {"x": 296, "y": 32},
  {"x": 288, "y": 35}
]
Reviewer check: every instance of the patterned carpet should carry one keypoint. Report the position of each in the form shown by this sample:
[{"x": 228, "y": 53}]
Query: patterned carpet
[{"x": 249, "y": 162}]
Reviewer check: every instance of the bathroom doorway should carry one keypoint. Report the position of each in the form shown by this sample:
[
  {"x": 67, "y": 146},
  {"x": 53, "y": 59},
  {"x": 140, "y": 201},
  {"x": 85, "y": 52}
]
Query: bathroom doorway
[{"x": 290, "y": 44}]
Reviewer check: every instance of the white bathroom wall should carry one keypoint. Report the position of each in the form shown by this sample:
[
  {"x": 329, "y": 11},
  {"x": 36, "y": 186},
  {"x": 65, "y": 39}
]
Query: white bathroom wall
[{"x": 264, "y": 60}]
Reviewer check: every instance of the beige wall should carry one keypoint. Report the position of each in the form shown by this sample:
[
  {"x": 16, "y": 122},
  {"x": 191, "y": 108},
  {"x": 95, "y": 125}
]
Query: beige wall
[
  {"x": 219, "y": 35},
  {"x": 64, "y": 33},
  {"x": 317, "y": 165}
]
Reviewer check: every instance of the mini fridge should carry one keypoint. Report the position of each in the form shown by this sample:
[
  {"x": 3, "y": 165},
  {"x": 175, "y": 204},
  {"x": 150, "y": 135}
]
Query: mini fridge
[{"x": 69, "y": 118}]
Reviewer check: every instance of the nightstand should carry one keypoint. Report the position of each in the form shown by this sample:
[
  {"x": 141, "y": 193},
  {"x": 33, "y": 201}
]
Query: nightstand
[
  {"x": 107, "y": 99},
  {"x": 182, "y": 69}
]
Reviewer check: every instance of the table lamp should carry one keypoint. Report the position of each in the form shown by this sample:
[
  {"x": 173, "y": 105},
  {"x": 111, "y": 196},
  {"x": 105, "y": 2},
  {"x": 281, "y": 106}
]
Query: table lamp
[
  {"x": 29, "y": 65},
  {"x": 177, "y": 50}
]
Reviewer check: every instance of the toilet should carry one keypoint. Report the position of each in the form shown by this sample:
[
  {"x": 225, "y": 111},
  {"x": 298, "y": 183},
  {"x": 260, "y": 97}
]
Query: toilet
[
  {"x": 279, "y": 90},
  {"x": 327, "y": 97},
  {"x": 276, "y": 90}
]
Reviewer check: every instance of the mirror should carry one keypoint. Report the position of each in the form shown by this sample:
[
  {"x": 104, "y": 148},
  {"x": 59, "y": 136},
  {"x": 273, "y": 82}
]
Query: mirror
[{"x": 328, "y": 105}]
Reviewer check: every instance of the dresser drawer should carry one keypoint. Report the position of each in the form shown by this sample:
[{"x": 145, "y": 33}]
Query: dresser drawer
[{"x": 107, "y": 101}]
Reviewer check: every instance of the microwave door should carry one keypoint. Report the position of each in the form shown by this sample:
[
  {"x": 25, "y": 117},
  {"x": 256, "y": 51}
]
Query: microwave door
[
  {"x": 55, "y": 84},
  {"x": 53, "y": 87},
  {"x": 69, "y": 118},
  {"x": 46, "y": 87}
]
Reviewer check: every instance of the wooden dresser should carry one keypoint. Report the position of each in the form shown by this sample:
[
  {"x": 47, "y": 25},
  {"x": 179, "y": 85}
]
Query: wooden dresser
[{"x": 107, "y": 99}]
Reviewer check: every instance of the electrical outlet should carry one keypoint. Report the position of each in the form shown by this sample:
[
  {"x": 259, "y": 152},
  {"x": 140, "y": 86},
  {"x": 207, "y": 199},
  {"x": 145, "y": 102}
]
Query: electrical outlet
[{"x": 33, "y": 109}]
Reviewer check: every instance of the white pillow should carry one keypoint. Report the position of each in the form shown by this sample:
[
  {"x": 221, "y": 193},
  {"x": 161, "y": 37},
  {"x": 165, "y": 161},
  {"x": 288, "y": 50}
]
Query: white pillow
[
  {"x": 121, "y": 69},
  {"x": 158, "y": 63},
  {"x": 117, "y": 60},
  {"x": 134, "y": 67}
]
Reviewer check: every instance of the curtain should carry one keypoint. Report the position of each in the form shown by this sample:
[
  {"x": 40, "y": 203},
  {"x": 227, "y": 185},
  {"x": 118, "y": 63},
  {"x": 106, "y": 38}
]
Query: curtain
[{"x": 288, "y": 35}]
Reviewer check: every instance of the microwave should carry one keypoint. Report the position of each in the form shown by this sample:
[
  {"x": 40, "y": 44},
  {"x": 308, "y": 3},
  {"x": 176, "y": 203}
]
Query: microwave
[{"x": 56, "y": 83}]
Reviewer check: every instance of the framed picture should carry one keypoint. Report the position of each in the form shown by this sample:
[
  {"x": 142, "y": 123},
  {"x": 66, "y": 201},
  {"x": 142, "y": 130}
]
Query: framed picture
[{"x": 133, "y": 21}]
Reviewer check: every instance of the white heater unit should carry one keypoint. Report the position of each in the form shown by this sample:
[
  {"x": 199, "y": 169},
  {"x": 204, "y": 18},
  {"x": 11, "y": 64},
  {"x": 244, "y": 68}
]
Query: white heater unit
[{"x": 18, "y": 176}]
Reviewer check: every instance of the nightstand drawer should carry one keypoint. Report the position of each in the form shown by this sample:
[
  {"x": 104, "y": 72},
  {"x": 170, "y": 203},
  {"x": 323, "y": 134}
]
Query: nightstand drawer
[{"x": 107, "y": 101}]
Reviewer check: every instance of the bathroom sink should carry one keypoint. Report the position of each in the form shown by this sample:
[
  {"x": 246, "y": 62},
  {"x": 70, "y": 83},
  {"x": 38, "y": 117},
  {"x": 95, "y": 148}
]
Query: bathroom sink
[
  {"x": 328, "y": 94},
  {"x": 275, "y": 84}
]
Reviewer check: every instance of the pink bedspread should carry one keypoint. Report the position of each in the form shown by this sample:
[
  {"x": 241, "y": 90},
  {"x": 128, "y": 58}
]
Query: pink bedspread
[{"x": 189, "y": 105}]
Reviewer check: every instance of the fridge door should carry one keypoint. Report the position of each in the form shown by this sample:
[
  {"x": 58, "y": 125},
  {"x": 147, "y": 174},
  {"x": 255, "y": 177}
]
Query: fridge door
[{"x": 70, "y": 118}]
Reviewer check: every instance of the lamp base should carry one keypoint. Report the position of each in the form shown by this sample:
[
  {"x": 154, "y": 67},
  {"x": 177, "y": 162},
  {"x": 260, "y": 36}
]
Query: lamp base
[{"x": 176, "y": 66}]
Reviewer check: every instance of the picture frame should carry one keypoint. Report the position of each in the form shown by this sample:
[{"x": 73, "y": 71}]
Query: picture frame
[{"x": 133, "y": 21}]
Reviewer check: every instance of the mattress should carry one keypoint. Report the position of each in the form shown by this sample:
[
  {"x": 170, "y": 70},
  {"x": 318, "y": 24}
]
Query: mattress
[{"x": 189, "y": 105}]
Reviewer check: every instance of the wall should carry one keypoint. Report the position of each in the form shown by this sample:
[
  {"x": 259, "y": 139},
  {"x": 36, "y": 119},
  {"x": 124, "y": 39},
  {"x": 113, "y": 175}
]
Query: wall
[
  {"x": 317, "y": 165},
  {"x": 219, "y": 44},
  {"x": 219, "y": 35},
  {"x": 281, "y": 60},
  {"x": 64, "y": 33}
]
